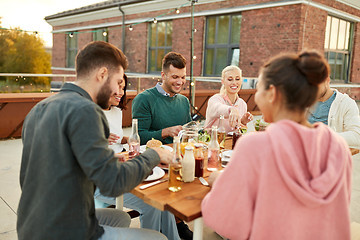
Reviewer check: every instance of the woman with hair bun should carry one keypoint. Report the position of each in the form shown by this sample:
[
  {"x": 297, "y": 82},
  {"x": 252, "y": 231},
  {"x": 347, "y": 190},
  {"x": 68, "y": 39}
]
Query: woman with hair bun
[
  {"x": 228, "y": 102},
  {"x": 291, "y": 181}
]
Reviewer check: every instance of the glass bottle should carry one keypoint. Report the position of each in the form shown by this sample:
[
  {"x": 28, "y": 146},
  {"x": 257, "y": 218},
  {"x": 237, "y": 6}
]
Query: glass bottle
[
  {"x": 188, "y": 165},
  {"x": 213, "y": 151},
  {"x": 236, "y": 135},
  {"x": 174, "y": 183},
  {"x": 221, "y": 132},
  {"x": 199, "y": 160},
  {"x": 134, "y": 140}
]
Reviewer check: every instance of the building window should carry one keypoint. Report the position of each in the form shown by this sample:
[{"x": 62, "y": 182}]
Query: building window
[
  {"x": 338, "y": 46},
  {"x": 71, "y": 49},
  {"x": 222, "y": 42},
  {"x": 160, "y": 43},
  {"x": 100, "y": 35}
]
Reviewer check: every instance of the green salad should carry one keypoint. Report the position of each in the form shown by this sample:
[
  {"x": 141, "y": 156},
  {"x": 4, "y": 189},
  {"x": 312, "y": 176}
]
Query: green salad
[{"x": 204, "y": 136}]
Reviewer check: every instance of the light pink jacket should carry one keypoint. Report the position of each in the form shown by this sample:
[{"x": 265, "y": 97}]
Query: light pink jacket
[
  {"x": 218, "y": 105},
  {"x": 289, "y": 182}
]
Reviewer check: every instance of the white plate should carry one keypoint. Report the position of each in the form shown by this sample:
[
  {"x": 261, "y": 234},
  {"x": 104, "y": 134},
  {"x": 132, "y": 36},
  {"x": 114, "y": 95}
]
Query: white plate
[
  {"x": 167, "y": 147},
  {"x": 143, "y": 148},
  {"x": 226, "y": 154},
  {"x": 157, "y": 174},
  {"x": 225, "y": 157}
]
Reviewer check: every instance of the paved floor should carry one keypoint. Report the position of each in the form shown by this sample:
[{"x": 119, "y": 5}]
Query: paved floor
[{"x": 10, "y": 155}]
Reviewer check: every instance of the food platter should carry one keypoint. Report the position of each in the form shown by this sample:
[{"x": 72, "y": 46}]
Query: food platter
[{"x": 143, "y": 148}]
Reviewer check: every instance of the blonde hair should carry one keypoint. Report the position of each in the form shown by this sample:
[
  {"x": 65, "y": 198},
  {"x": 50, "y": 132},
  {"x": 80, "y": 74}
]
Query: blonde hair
[{"x": 226, "y": 69}]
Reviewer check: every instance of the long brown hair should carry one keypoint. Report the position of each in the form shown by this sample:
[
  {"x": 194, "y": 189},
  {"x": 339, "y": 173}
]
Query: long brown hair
[{"x": 123, "y": 102}]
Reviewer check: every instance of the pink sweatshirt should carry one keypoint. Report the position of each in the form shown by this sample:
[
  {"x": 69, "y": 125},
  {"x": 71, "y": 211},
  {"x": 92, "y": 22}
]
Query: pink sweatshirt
[
  {"x": 218, "y": 105},
  {"x": 288, "y": 182}
]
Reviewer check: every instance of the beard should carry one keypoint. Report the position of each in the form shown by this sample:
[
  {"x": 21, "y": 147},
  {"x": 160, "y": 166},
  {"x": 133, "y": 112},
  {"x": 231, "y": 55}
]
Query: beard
[{"x": 103, "y": 97}]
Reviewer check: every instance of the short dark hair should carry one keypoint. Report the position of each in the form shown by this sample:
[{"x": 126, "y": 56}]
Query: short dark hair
[
  {"x": 297, "y": 76},
  {"x": 99, "y": 54},
  {"x": 122, "y": 103},
  {"x": 175, "y": 59}
]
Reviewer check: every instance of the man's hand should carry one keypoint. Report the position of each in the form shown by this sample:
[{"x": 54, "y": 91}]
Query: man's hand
[
  {"x": 171, "y": 131},
  {"x": 113, "y": 138},
  {"x": 120, "y": 156},
  {"x": 165, "y": 155}
]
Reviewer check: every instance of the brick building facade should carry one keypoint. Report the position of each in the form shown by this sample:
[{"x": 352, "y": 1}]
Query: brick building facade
[{"x": 266, "y": 28}]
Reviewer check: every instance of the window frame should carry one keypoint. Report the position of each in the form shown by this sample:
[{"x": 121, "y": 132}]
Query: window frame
[
  {"x": 347, "y": 53},
  {"x": 166, "y": 48},
  {"x": 103, "y": 38},
  {"x": 216, "y": 46},
  {"x": 70, "y": 63}
]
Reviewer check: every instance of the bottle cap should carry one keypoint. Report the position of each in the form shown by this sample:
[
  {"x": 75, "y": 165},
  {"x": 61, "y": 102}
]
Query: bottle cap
[
  {"x": 198, "y": 145},
  {"x": 189, "y": 148}
]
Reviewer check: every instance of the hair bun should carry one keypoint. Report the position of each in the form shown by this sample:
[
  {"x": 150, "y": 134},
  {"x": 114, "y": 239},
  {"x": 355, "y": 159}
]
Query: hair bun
[{"x": 313, "y": 66}]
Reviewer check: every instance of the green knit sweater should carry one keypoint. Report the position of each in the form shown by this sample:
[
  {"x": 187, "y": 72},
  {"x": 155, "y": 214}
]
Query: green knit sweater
[{"x": 155, "y": 112}]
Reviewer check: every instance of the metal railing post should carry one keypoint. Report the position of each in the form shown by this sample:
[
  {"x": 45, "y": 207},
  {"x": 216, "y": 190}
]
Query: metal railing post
[
  {"x": 138, "y": 85},
  {"x": 193, "y": 95}
]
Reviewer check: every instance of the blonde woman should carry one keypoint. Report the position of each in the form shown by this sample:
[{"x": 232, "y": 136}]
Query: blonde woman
[{"x": 228, "y": 102}]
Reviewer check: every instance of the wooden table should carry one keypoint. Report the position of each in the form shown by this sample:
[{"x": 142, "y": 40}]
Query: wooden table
[{"x": 185, "y": 204}]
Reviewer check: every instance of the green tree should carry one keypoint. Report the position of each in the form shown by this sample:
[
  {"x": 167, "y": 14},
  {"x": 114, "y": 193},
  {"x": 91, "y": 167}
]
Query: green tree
[{"x": 23, "y": 52}]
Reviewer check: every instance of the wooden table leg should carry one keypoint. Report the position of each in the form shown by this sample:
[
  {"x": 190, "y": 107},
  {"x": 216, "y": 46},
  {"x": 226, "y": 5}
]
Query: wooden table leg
[
  {"x": 120, "y": 202},
  {"x": 198, "y": 229}
]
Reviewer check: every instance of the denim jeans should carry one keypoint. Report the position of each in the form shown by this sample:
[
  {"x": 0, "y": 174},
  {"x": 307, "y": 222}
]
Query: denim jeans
[
  {"x": 116, "y": 226},
  {"x": 150, "y": 217}
]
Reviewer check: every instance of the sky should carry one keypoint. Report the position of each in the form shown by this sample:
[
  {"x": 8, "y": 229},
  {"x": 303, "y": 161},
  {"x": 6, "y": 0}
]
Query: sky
[{"x": 29, "y": 14}]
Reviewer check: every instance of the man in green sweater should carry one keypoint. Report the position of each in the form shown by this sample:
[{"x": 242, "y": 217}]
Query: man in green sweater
[{"x": 162, "y": 110}]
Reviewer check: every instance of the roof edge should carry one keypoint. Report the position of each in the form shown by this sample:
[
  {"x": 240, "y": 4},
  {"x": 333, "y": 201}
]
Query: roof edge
[{"x": 92, "y": 8}]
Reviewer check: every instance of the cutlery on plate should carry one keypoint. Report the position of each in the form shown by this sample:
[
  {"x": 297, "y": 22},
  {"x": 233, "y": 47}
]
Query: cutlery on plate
[
  {"x": 153, "y": 183},
  {"x": 203, "y": 181}
]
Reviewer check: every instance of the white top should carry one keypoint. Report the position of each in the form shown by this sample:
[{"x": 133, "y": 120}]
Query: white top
[
  {"x": 344, "y": 119},
  {"x": 114, "y": 117}
]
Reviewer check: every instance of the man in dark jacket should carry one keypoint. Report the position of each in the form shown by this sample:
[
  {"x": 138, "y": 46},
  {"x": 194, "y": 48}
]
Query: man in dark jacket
[{"x": 65, "y": 153}]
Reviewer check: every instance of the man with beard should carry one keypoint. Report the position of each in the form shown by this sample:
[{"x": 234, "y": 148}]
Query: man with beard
[
  {"x": 65, "y": 153},
  {"x": 339, "y": 112},
  {"x": 161, "y": 111}
]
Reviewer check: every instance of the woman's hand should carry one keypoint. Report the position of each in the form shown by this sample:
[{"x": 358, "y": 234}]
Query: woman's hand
[
  {"x": 247, "y": 117},
  {"x": 234, "y": 117},
  {"x": 113, "y": 138},
  {"x": 213, "y": 176}
]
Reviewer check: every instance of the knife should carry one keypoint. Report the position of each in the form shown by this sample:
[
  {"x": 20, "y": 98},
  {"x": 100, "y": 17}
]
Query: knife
[
  {"x": 153, "y": 183},
  {"x": 203, "y": 181}
]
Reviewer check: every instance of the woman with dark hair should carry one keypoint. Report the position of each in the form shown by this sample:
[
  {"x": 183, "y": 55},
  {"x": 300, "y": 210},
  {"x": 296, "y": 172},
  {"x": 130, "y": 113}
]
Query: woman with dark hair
[
  {"x": 114, "y": 116},
  {"x": 291, "y": 181},
  {"x": 150, "y": 217}
]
